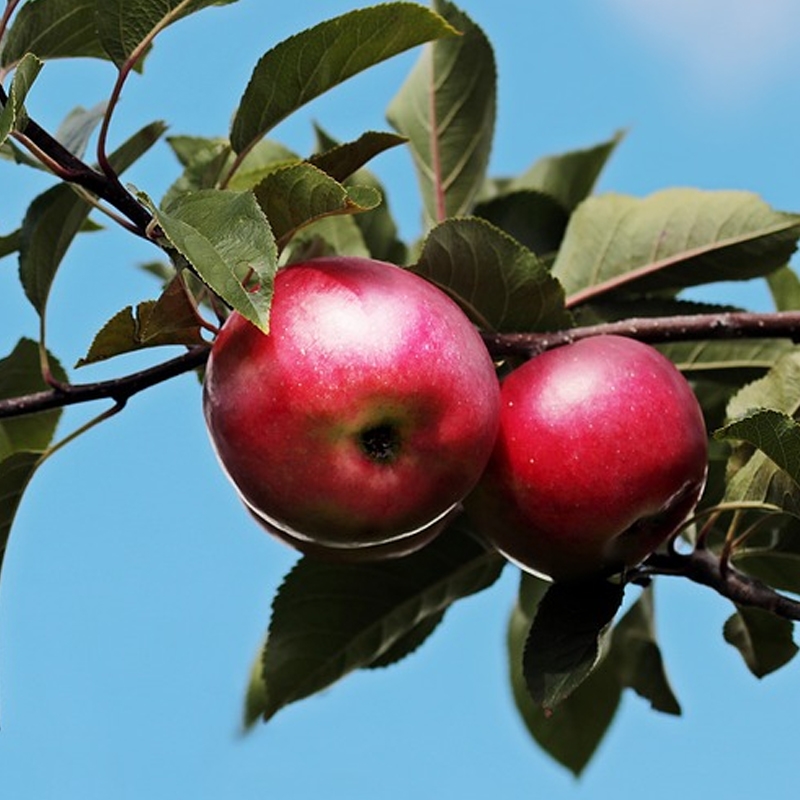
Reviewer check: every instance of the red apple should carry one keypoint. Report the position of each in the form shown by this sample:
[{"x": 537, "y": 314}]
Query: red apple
[
  {"x": 366, "y": 414},
  {"x": 601, "y": 455}
]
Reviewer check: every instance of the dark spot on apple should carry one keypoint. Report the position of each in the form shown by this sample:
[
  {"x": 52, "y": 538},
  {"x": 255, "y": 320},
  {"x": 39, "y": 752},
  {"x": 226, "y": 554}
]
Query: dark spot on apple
[{"x": 380, "y": 443}]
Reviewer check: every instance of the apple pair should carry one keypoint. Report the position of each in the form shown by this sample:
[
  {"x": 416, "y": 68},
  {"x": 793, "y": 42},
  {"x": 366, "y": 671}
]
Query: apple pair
[{"x": 372, "y": 409}]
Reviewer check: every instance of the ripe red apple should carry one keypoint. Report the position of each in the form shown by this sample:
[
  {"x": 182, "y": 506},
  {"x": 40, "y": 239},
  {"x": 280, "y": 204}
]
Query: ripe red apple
[
  {"x": 601, "y": 455},
  {"x": 365, "y": 415}
]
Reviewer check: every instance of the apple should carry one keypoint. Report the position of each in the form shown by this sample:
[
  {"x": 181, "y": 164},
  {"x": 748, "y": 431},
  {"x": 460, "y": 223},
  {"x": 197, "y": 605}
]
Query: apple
[
  {"x": 366, "y": 414},
  {"x": 601, "y": 456}
]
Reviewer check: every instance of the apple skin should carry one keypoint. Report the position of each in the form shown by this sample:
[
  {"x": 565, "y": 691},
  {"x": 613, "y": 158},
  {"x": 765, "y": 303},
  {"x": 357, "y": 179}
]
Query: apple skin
[
  {"x": 364, "y": 416},
  {"x": 601, "y": 455}
]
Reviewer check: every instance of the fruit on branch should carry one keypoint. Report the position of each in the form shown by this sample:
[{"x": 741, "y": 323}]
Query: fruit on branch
[
  {"x": 367, "y": 413},
  {"x": 601, "y": 455}
]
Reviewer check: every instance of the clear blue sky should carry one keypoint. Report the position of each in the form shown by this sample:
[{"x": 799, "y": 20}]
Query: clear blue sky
[{"x": 136, "y": 591}]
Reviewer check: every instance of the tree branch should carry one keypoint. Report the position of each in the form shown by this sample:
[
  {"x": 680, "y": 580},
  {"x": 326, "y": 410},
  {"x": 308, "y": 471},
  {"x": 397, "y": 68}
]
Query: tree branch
[
  {"x": 119, "y": 389},
  {"x": 704, "y": 567},
  {"x": 680, "y": 328}
]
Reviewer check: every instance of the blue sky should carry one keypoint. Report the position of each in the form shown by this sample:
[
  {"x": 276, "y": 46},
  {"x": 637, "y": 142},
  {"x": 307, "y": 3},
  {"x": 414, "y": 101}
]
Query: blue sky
[{"x": 135, "y": 590}]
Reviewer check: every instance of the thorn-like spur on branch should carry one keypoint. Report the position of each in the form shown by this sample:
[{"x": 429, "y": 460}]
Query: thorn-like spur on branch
[
  {"x": 703, "y": 566},
  {"x": 67, "y": 166},
  {"x": 680, "y": 328},
  {"x": 119, "y": 389}
]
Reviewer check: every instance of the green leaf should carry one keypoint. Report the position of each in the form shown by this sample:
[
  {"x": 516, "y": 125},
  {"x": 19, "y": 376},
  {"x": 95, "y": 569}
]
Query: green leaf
[
  {"x": 571, "y": 732},
  {"x": 78, "y": 126},
  {"x": 568, "y": 177},
  {"x": 772, "y": 432},
  {"x": 10, "y": 243},
  {"x": 12, "y": 114},
  {"x": 330, "y": 619},
  {"x": 170, "y": 320},
  {"x": 727, "y": 360},
  {"x": 310, "y": 63},
  {"x": 336, "y": 235},
  {"x": 670, "y": 240},
  {"x": 342, "y": 160},
  {"x": 409, "y": 643},
  {"x": 447, "y": 109},
  {"x": 764, "y": 640},
  {"x": 784, "y": 285},
  {"x": 567, "y": 636},
  {"x": 535, "y": 220},
  {"x": 637, "y": 657},
  {"x": 501, "y": 283},
  {"x": 16, "y": 471},
  {"x": 124, "y": 25},
  {"x": 296, "y": 195},
  {"x": 225, "y": 236},
  {"x": 772, "y": 554},
  {"x": 58, "y": 215},
  {"x": 53, "y": 29},
  {"x": 21, "y": 374}
]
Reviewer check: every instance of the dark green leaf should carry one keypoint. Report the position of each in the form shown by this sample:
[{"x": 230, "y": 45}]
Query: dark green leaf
[
  {"x": 58, "y": 215},
  {"x": 670, "y": 240},
  {"x": 572, "y": 732},
  {"x": 330, "y": 619},
  {"x": 772, "y": 553},
  {"x": 412, "y": 641},
  {"x": 341, "y": 161},
  {"x": 21, "y": 374},
  {"x": 170, "y": 320},
  {"x": 447, "y": 109},
  {"x": 535, "y": 220},
  {"x": 16, "y": 471},
  {"x": 310, "y": 63},
  {"x": 636, "y": 654},
  {"x": 566, "y": 639},
  {"x": 9, "y": 244},
  {"x": 567, "y": 177},
  {"x": 225, "y": 236},
  {"x": 12, "y": 114},
  {"x": 123, "y": 26},
  {"x": 764, "y": 640},
  {"x": 53, "y": 29},
  {"x": 296, "y": 195},
  {"x": 501, "y": 283}
]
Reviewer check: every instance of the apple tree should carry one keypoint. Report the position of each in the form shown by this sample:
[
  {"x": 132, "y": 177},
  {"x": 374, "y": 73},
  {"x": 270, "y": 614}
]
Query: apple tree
[{"x": 534, "y": 263}]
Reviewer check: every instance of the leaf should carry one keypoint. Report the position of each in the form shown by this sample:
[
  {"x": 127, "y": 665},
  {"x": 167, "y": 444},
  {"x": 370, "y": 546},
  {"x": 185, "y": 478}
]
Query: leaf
[
  {"x": 76, "y": 129},
  {"x": 447, "y": 109},
  {"x": 670, "y": 240},
  {"x": 310, "y": 63},
  {"x": 637, "y": 656},
  {"x": 330, "y": 619},
  {"x": 772, "y": 554},
  {"x": 535, "y": 220},
  {"x": 10, "y": 243},
  {"x": 55, "y": 217},
  {"x": 296, "y": 195},
  {"x": 336, "y": 235},
  {"x": 572, "y": 732},
  {"x": 124, "y": 25},
  {"x": 21, "y": 374},
  {"x": 569, "y": 177},
  {"x": 16, "y": 471},
  {"x": 726, "y": 360},
  {"x": 764, "y": 640},
  {"x": 772, "y": 432},
  {"x": 53, "y": 29},
  {"x": 342, "y": 160},
  {"x": 566, "y": 638},
  {"x": 784, "y": 285},
  {"x": 226, "y": 238},
  {"x": 12, "y": 114},
  {"x": 170, "y": 320},
  {"x": 409, "y": 643},
  {"x": 500, "y": 282}
]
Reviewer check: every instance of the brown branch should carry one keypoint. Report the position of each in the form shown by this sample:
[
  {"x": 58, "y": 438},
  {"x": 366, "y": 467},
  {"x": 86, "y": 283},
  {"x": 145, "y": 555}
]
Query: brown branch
[
  {"x": 706, "y": 568},
  {"x": 680, "y": 328},
  {"x": 120, "y": 390}
]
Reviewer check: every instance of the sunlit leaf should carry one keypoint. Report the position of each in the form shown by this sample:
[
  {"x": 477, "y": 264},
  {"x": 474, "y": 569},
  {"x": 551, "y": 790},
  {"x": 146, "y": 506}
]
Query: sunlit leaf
[
  {"x": 447, "y": 109},
  {"x": 764, "y": 639},
  {"x": 566, "y": 638},
  {"x": 293, "y": 196},
  {"x": 503, "y": 284},
  {"x": 670, "y": 240},
  {"x": 784, "y": 285},
  {"x": 225, "y": 236},
  {"x": 12, "y": 114},
  {"x": 568, "y": 177},
  {"x": 330, "y": 619},
  {"x": 55, "y": 217},
  {"x": 124, "y": 25},
  {"x": 310, "y": 63}
]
